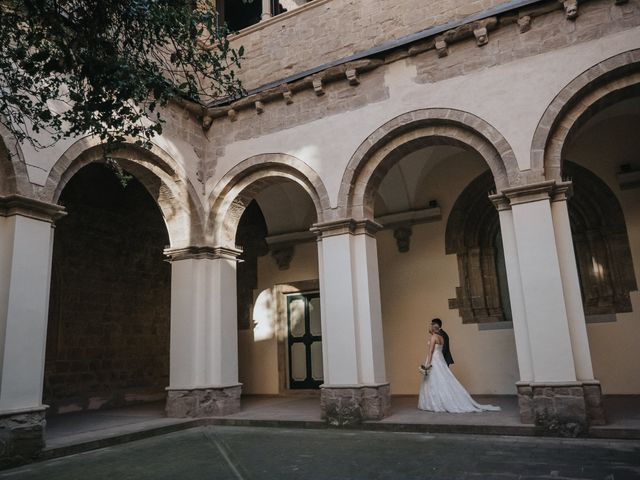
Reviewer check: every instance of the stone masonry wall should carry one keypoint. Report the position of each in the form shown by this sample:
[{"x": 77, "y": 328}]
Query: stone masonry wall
[
  {"x": 108, "y": 333},
  {"x": 334, "y": 29},
  {"x": 548, "y": 32}
]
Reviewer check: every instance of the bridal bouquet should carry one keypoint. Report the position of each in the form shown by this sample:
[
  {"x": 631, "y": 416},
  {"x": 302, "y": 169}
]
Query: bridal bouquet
[{"x": 424, "y": 370}]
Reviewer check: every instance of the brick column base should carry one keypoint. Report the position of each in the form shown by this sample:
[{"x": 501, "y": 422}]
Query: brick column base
[
  {"x": 343, "y": 405},
  {"x": 203, "y": 402},
  {"x": 565, "y": 409},
  {"x": 21, "y": 436}
]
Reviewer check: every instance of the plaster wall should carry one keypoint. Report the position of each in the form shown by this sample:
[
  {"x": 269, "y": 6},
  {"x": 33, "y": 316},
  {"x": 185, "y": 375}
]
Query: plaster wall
[
  {"x": 182, "y": 140},
  {"x": 258, "y": 347},
  {"x": 511, "y": 97},
  {"x": 415, "y": 287}
]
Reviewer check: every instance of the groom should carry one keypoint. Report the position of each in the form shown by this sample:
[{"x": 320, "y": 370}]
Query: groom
[{"x": 446, "y": 353}]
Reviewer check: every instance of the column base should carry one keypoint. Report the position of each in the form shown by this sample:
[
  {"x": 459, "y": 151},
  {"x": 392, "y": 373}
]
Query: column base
[
  {"x": 343, "y": 405},
  {"x": 564, "y": 409},
  {"x": 21, "y": 436},
  {"x": 203, "y": 402}
]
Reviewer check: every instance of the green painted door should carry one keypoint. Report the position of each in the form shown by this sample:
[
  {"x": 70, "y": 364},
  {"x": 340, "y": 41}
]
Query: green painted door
[{"x": 305, "y": 340}]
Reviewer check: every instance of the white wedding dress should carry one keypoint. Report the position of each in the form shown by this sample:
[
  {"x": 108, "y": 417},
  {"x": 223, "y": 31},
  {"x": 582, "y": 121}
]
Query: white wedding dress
[{"x": 441, "y": 392}]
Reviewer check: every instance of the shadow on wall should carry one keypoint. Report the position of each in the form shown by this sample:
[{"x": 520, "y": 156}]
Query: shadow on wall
[{"x": 108, "y": 333}]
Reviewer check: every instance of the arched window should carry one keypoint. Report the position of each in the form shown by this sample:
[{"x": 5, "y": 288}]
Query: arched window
[
  {"x": 473, "y": 234},
  {"x": 600, "y": 240},
  {"x": 601, "y": 244}
]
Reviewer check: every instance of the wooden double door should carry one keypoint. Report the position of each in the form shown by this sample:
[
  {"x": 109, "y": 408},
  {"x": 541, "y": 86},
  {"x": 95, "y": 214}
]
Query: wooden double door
[{"x": 304, "y": 340}]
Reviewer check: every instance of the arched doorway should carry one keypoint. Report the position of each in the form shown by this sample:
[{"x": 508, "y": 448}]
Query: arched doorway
[
  {"x": 266, "y": 206},
  {"x": 108, "y": 332},
  {"x": 420, "y": 278},
  {"x": 600, "y": 157},
  {"x": 406, "y": 177},
  {"x": 587, "y": 135}
]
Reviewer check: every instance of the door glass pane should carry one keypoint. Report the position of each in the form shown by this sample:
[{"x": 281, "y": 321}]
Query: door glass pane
[
  {"x": 314, "y": 316},
  {"x": 296, "y": 317},
  {"x": 316, "y": 361},
  {"x": 298, "y": 362}
]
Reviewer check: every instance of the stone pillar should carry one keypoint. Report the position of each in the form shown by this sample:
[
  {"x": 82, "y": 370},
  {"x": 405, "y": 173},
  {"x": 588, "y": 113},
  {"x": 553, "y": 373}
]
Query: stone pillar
[
  {"x": 537, "y": 245},
  {"x": 571, "y": 284},
  {"x": 355, "y": 387},
  {"x": 516, "y": 295},
  {"x": 26, "y": 241},
  {"x": 266, "y": 10},
  {"x": 203, "y": 372},
  {"x": 575, "y": 308}
]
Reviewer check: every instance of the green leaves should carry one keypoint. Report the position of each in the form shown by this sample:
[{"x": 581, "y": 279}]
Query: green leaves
[{"x": 103, "y": 67}]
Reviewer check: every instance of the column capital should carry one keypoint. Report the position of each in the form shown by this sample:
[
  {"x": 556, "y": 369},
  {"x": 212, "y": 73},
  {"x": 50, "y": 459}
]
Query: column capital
[
  {"x": 346, "y": 226},
  {"x": 202, "y": 252},
  {"x": 549, "y": 190},
  {"x": 30, "y": 207}
]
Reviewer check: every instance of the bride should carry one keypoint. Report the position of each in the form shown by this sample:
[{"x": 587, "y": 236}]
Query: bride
[{"x": 440, "y": 390}]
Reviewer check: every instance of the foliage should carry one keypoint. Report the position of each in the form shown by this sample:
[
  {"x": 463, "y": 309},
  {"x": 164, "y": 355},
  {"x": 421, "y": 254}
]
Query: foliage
[{"x": 104, "y": 67}]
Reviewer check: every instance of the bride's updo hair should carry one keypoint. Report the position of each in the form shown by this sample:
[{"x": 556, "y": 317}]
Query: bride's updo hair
[{"x": 435, "y": 328}]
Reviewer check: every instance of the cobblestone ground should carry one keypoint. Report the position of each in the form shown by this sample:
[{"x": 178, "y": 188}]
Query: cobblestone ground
[{"x": 257, "y": 453}]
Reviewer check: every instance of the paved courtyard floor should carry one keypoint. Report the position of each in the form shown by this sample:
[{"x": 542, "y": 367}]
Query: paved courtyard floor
[
  {"x": 101, "y": 428},
  {"x": 222, "y": 452}
]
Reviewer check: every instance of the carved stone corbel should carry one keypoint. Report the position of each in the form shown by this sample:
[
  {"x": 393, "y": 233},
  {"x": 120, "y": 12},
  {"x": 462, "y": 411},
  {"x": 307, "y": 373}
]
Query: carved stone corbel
[
  {"x": 441, "y": 47},
  {"x": 318, "y": 87},
  {"x": 207, "y": 120},
  {"x": 570, "y": 8},
  {"x": 288, "y": 97},
  {"x": 352, "y": 76},
  {"x": 524, "y": 24},
  {"x": 259, "y": 107},
  {"x": 482, "y": 36},
  {"x": 232, "y": 114},
  {"x": 403, "y": 238},
  {"x": 283, "y": 256}
]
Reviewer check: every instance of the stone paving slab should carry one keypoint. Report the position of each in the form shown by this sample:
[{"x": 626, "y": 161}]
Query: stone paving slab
[{"x": 214, "y": 452}]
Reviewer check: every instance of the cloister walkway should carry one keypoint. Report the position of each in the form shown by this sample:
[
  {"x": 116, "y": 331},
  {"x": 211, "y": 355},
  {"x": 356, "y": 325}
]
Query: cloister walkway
[{"x": 82, "y": 431}]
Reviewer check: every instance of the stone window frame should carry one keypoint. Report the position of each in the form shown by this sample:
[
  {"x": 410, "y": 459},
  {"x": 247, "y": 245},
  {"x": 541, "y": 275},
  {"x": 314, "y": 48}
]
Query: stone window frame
[
  {"x": 599, "y": 236},
  {"x": 473, "y": 234}
]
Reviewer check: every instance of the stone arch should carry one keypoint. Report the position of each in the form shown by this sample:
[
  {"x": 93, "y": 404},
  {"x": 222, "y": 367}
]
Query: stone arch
[
  {"x": 14, "y": 178},
  {"x": 238, "y": 187},
  {"x": 605, "y": 83},
  {"x": 418, "y": 129},
  {"x": 164, "y": 179}
]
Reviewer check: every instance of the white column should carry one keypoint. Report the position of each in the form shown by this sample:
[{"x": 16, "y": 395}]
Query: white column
[
  {"x": 571, "y": 286},
  {"x": 266, "y": 10},
  {"x": 26, "y": 241},
  {"x": 368, "y": 309},
  {"x": 204, "y": 330},
  {"x": 541, "y": 280},
  {"x": 516, "y": 295},
  {"x": 351, "y": 314}
]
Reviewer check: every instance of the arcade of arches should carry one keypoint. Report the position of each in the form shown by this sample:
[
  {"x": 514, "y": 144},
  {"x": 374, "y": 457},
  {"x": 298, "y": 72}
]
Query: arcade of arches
[{"x": 285, "y": 273}]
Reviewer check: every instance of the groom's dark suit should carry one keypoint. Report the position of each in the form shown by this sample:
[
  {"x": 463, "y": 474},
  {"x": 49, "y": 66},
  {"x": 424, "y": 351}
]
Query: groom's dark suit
[{"x": 446, "y": 353}]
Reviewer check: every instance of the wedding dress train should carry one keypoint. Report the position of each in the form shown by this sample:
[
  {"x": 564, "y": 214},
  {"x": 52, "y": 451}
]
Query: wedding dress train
[{"x": 441, "y": 392}]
